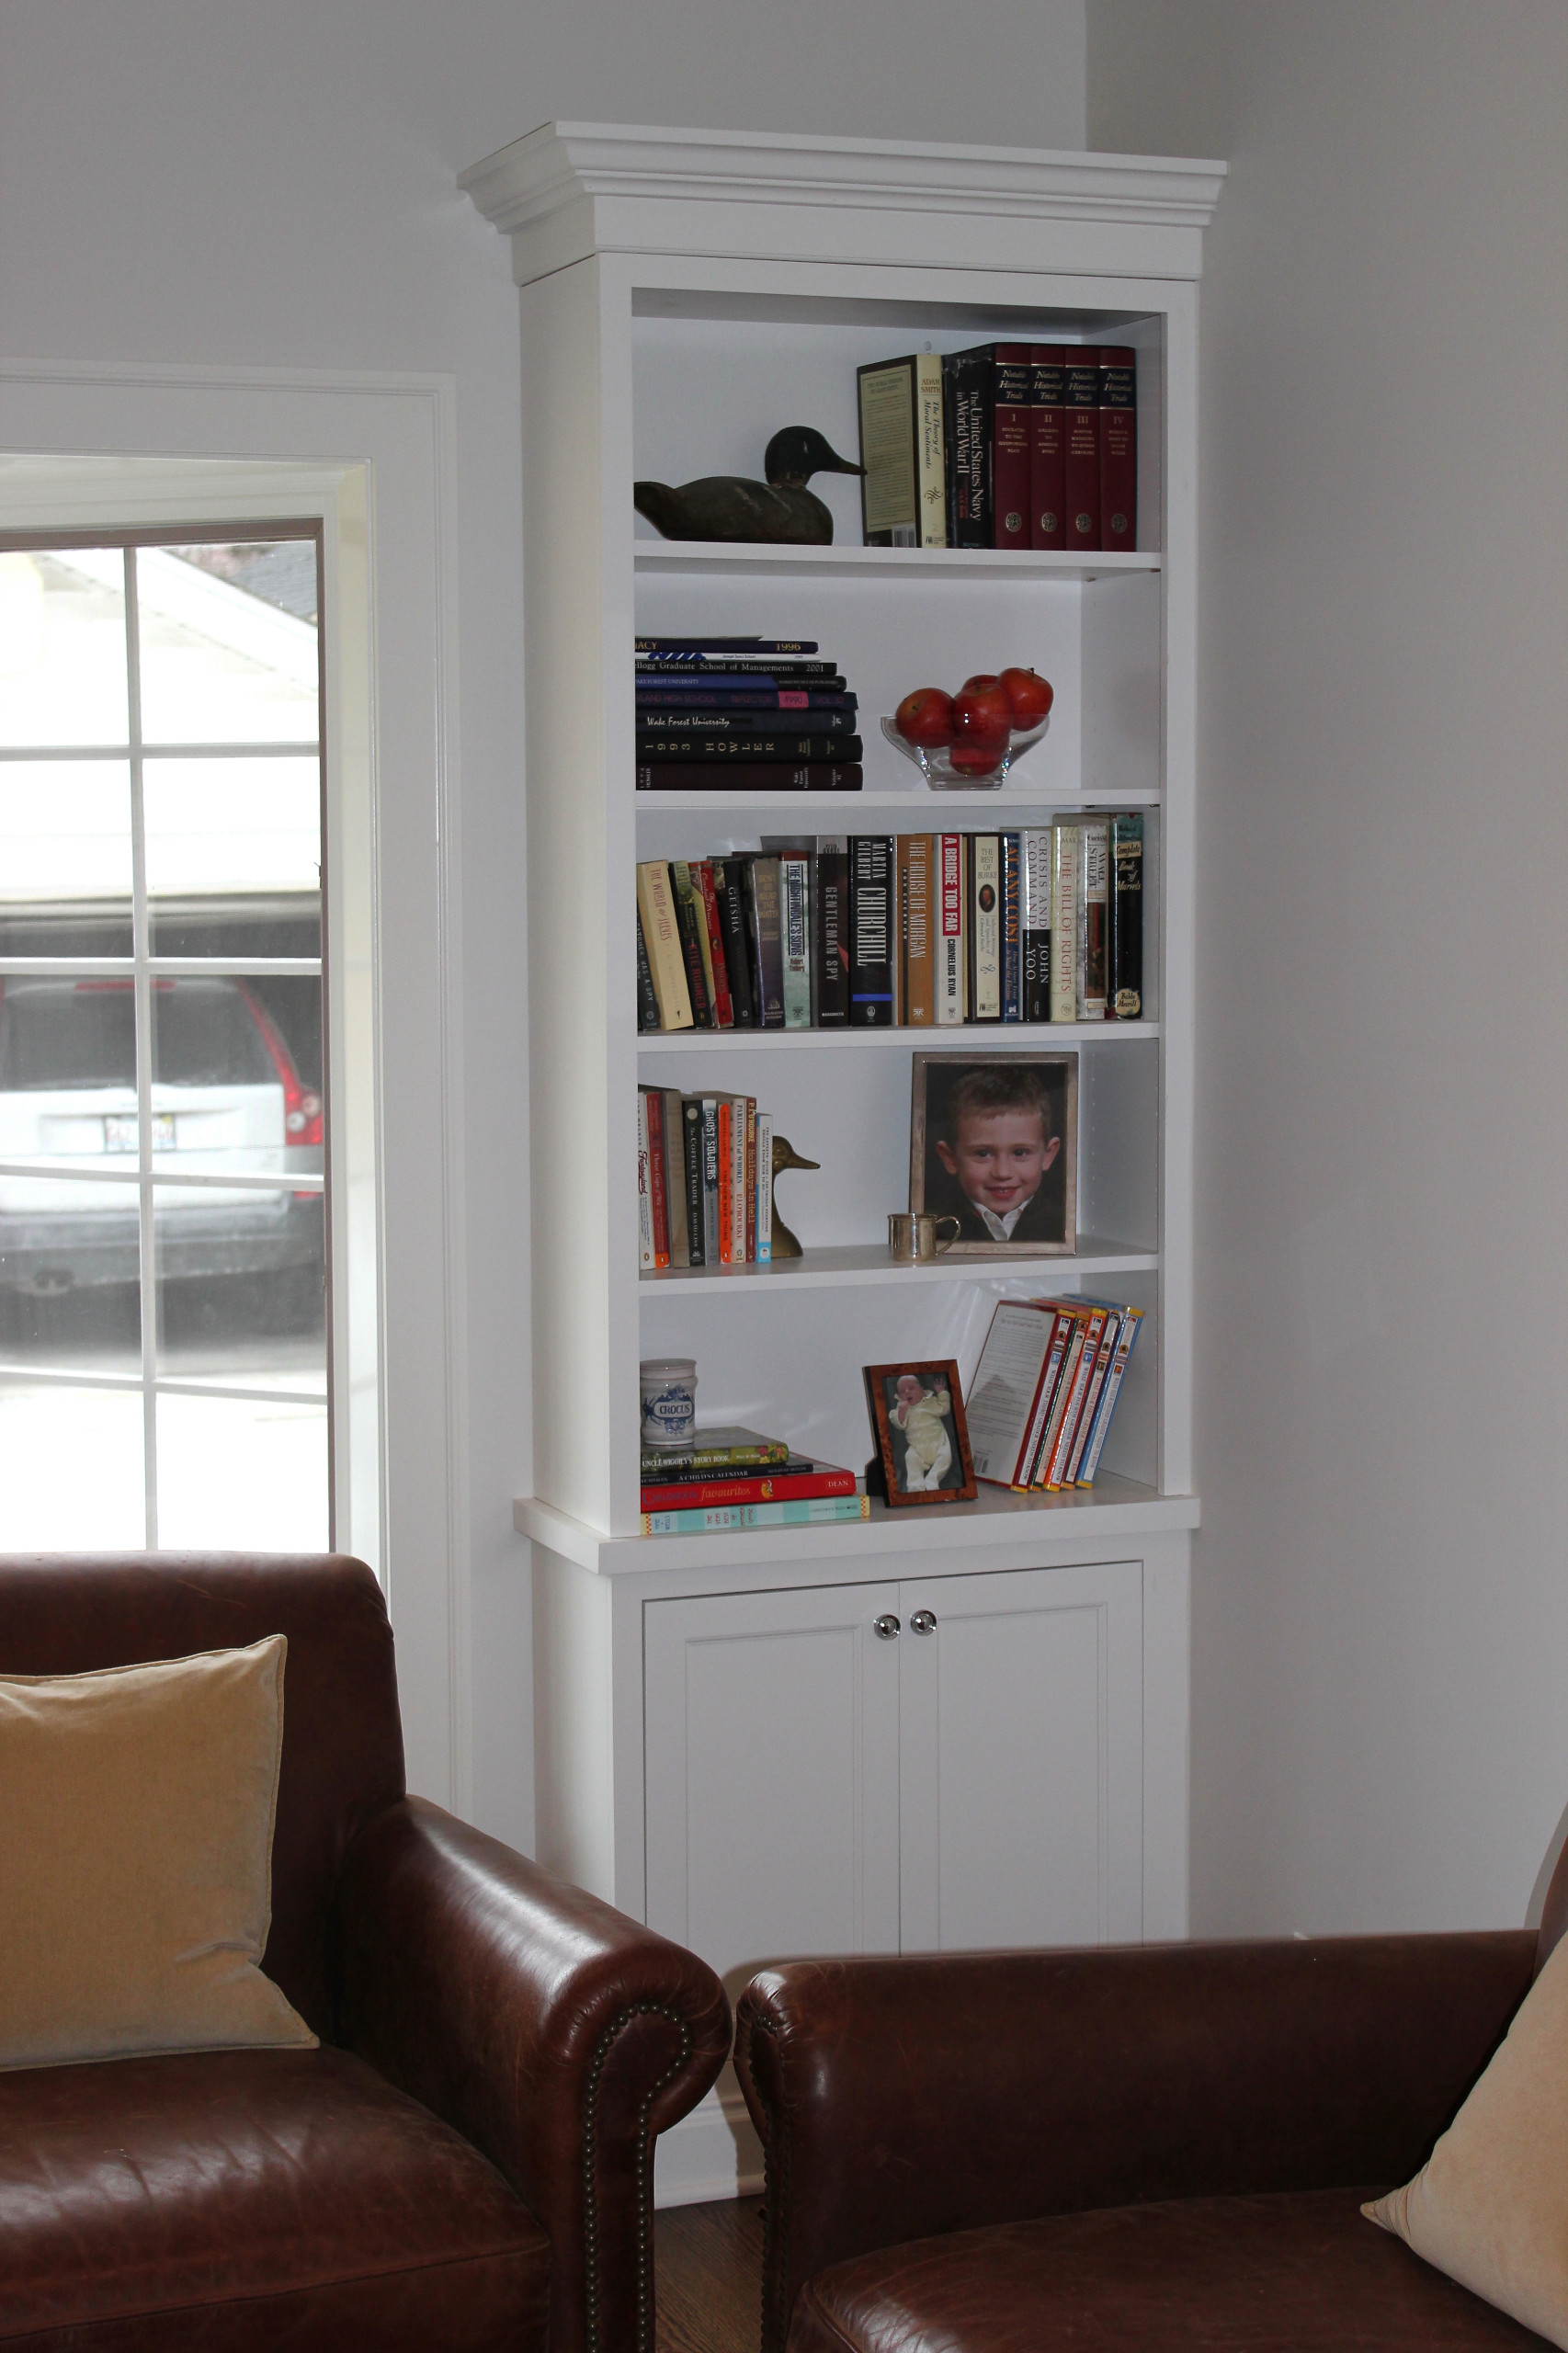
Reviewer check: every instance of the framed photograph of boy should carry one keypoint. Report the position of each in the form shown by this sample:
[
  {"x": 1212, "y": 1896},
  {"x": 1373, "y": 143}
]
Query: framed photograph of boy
[
  {"x": 994, "y": 1142},
  {"x": 921, "y": 1436}
]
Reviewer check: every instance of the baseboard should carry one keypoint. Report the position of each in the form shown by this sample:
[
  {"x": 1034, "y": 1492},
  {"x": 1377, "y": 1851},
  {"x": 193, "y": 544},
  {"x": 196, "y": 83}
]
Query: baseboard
[{"x": 713, "y": 2152}]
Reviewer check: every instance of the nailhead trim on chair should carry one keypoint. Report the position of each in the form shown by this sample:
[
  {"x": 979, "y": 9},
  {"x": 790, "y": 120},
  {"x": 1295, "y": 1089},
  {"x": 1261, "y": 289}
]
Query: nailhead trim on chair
[{"x": 644, "y": 2165}]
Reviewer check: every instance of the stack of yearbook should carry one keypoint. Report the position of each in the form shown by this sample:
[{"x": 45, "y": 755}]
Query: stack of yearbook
[
  {"x": 744, "y": 714},
  {"x": 736, "y": 1478}
]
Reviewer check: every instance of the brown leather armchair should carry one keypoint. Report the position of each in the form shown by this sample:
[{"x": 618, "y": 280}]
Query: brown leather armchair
[
  {"x": 1140, "y": 2149},
  {"x": 467, "y": 2162}
]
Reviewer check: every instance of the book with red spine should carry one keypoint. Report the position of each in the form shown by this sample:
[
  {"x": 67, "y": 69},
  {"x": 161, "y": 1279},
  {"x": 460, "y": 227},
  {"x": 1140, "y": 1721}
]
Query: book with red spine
[
  {"x": 1044, "y": 1396},
  {"x": 1011, "y": 490},
  {"x": 1119, "y": 448},
  {"x": 1056, "y": 1460},
  {"x": 1077, "y": 1323},
  {"x": 723, "y": 1006},
  {"x": 776, "y": 1487},
  {"x": 658, "y": 1176},
  {"x": 1048, "y": 445},
  {"x": 1081, "y": 437},
  {"x": 1092, "y": 1397}
]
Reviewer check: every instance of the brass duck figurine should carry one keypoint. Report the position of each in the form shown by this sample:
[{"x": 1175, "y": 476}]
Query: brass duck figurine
[
  {"x": 785, "y": 1155},
  {"x": 725, "y": 506}
]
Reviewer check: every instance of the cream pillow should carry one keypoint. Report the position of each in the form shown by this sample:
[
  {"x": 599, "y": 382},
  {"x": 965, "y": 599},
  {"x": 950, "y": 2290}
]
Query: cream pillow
[
  {"x": 1490, "y": 2205},
  {"x": 136, "y": 1810}
]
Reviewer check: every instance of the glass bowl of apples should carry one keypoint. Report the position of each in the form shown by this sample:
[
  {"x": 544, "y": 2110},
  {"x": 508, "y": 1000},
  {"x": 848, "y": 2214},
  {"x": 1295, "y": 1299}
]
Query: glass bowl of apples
[{"x": 967, "y": 742}]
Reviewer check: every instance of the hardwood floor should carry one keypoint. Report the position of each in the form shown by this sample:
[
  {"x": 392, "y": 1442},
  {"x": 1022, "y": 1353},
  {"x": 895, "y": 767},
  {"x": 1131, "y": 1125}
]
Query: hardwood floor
[{"x": 707, "y": 2276}]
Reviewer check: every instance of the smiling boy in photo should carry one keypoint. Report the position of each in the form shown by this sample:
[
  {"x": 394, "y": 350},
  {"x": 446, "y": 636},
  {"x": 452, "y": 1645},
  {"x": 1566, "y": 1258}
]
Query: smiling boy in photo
[{"x": 999, "y": 1146}]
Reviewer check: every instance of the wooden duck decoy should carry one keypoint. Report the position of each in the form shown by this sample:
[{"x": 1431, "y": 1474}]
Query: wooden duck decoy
[
  {"x": 725, "y": 507},
  {"x": 785, "y": 1155}
]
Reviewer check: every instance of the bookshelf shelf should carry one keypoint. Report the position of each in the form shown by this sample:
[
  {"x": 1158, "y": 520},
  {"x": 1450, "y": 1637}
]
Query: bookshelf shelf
[
  {"x": 989, "y": 1036},
  {"x": 932, "y": 566},
  {"x": 933, "y": 811},
  {"x": 860, "y": 1264}
]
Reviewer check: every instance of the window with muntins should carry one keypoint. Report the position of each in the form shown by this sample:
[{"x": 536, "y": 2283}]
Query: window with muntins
[{"x": 165, "y": 1335}]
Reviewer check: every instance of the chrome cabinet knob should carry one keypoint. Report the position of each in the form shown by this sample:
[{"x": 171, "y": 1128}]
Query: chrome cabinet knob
[
  {"x": 886, "y": 1626},
  {"x": 924, "y": 1621}
]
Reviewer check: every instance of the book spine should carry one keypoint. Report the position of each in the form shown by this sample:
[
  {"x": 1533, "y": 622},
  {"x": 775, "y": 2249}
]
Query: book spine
[
  {"x": 746, "y": 695},
  {"x": 712, "y": 961},
  {"x": 985, "y": 920},
  {"x": 748, "y": 1181},
  {"x": 871, "y": 936},
  {"x": 692, "y": 934},
  {"x": 673, "y": 1124},
  {"x": 889, "y": 461},
  {"x": 1035, "y": 923},
  {"x": 1094, "y": 918},
  {"x": 658, "y": 1176},
  {"x": 764, "y": 1189},
  {"x": 1011, "y": 927},
  {"x": 919, "y": 961},
  {"x": 748, "y": 776},
  {"x": 696, "y": 729},
  {"x": 768, "y": 937},
  {"x": 968, "y": 397},
  {"x": 724, "y": 1217},
  {"x": 833, "y": 931},
  {"x": 1103, "y": 1356},
  {"x": 691, "y": 1136},
  {"x": 1060, "y": 1453},
  {"x": 1012, "y": 495},
  {"x": 1063, "y": 921},
  {"x": 683, "y": 648},
  {"x": 644, "y": 1192},
  {"x": 732, "y": 927},
  {"x": 1048, "y": 445},
  {"x": 667, "y": 958},
  {"x": 1126, "y": 981},
  {"x": 1061, "y": 1401},
  {"x": 1131, "y": 1323},
  {"x": 718, "y": 962},
  {"x": 787, "y": 1487},
  {"x": 762, "y": 669},
  {"x": 930, "y": 450},
  {"x": 767, "y": 1455},
  {"x": 738, "y": 1181},
  {"x": 647, "y": 1002},
  {"x": 718, "y": 1518},
  {"x": 950, "y": 945},
  {"x": 774, "y": 751},
  {"x": 1044, "y": 1399},
  {"x": 710, "y": 1249},
  {"x": 794, "y": 886},
  {"x": 1118, "y": 449},
  {"x": 1081, "y": 439}
]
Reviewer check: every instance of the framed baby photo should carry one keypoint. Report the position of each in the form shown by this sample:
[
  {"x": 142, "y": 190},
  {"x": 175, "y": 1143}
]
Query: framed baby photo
[
  {"x": 994, "y": 1143},
  {"x": 921, "y": 1436}
]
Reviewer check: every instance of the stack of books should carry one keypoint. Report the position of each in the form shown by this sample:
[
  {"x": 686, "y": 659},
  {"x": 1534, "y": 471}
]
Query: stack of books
[
  {"x": 1009, "y": 445},
  {"x": 744, "y": 714},
  {"x": 704, "y": 1189},
  {"x": 833, "y": 931},
  {"x": 1046, "y": 1389},
  {"x": 736, "y": 1478}
]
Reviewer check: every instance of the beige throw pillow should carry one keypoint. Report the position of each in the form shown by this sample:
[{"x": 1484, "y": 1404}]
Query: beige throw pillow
[
  {"x": 1490, "y": 2205},
  {"x": 136, "y": 1810}
]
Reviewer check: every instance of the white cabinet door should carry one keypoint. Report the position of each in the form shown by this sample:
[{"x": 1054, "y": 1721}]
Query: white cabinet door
[
  {"x": 771, "y": 1748},
  {"x": 1022, "y": 1759}
]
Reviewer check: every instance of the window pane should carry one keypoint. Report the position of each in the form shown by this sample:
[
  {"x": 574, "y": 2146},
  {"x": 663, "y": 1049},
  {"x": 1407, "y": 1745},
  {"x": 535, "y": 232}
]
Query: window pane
[
  {"x": 62, "y": 647},
  {"x": 64, "y": 857},
  {"x": 231, "y": 1473},
  {"x": 224, "y": 659},
  {"x": 47, "y": 1437},
  {"x": 232, "y": 828},
  {"x": 242, "y": 1291}
]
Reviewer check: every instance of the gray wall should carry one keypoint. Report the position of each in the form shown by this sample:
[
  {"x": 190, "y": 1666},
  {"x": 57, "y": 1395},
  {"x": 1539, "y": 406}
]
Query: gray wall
[
  {"x": 1381, "y": 1609},
  {"x": 275, "y": 184}
]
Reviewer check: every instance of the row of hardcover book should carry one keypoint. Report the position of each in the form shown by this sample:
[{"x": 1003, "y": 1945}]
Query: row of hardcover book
[
  {"x": 1046, "y": 1389},
  {"x": 704, "y": 1180},
  {"x": 890, "y": 930},
  {"x": 1009, "y": 445},
  {"x": 744, "y": 714}
]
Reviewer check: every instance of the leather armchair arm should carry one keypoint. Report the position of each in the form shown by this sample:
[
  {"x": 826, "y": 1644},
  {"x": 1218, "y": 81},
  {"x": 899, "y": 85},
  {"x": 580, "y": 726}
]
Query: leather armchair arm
[
  {"x": 552, "y": 2031},
  {"x": 900, "y": 2099}
]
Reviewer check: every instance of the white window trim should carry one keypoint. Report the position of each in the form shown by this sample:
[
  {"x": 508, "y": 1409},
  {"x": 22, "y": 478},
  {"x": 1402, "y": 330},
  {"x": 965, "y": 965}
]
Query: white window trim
[{"x": 373, "y": 457}]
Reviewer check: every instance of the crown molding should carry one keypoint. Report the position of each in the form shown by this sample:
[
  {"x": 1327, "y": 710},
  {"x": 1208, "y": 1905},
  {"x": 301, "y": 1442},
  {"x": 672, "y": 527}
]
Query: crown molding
[{"x": 569, "y": 190}]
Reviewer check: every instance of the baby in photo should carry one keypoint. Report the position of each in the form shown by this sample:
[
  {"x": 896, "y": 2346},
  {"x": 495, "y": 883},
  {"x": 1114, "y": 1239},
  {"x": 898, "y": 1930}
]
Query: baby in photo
[
  {"x": 999, "y": 1141},
  {"x": 922, "y": 1414}
]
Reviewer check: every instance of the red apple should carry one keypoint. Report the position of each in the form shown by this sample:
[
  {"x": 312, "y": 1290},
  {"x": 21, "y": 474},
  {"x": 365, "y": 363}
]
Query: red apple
[
  {"x": 1028, "y": 695},
  {"x": 925, "y": 717},
  {"x": 983, "y": 715},
  {"x": 975, "y": 759}
]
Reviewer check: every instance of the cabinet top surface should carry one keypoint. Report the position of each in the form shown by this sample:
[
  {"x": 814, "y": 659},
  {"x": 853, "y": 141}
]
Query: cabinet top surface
[{"x": 653, "y": 188}]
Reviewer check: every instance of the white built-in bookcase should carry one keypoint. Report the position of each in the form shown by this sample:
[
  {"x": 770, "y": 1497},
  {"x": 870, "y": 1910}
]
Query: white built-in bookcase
[{"x": 725, "y": 1744}]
